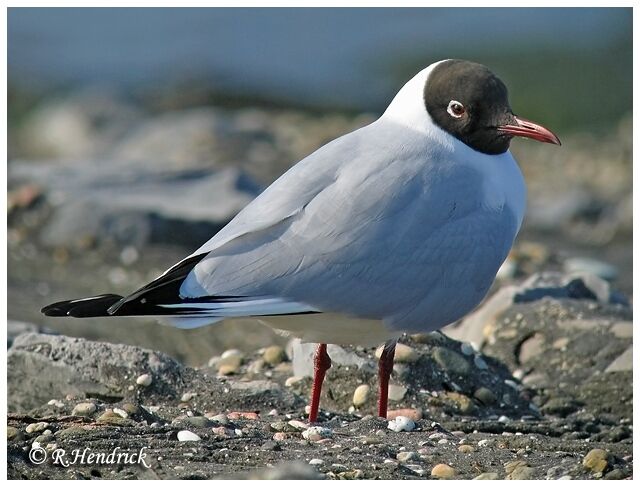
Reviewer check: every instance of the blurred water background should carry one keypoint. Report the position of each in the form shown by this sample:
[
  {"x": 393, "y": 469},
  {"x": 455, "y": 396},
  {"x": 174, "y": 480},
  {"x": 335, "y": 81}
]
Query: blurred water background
[{"x": 134, "y": 134}]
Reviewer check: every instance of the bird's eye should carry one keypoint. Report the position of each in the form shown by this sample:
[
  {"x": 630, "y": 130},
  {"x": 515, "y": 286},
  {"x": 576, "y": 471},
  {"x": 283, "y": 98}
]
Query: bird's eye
[{"x": 456, "y": 109}]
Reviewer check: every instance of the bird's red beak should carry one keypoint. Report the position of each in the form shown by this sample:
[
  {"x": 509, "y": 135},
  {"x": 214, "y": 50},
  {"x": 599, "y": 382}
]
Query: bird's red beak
[{"x": 530, "y": 130}]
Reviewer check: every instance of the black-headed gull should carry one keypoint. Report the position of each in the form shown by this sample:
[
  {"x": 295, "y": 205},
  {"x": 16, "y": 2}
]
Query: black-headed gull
[{"x": 397, "y": 227}]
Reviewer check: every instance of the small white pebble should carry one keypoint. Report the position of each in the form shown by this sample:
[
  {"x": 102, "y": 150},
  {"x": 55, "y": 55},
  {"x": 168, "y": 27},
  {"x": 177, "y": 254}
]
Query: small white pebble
[
  {"x": 316, "y": 433},
  {"x": 187, "y": 396},
  {"x": 467, "y": 349},
  {"x": 483, "y": 442},
  {"x": 144, "y": 380},
  {"x": 401, "y": 423},
  {"x": 56, "y": 403},
  {"x": 185, "y": 435},
  {"x": 299, "y": 425},
  {"x": 316, "y": 461},
  {"x": 121, "y": 412},
  {"x": 503, "y": 419}
]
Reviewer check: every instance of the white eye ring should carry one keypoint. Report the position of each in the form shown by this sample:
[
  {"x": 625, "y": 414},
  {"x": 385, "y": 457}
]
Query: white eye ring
[{"x": 455, "y": 109}]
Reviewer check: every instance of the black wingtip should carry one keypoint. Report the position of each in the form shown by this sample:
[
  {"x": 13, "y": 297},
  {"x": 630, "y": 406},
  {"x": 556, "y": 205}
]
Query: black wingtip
[{"x": 82, "y": 308}]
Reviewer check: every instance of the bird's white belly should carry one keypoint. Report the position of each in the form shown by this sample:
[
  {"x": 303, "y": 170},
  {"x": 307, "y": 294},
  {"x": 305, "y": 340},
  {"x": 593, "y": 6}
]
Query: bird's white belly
[{"x": 333, "y": 328}]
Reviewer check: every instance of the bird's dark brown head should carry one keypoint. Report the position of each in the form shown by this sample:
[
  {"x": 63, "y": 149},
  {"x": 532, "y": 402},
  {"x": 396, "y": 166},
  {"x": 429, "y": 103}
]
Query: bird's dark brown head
[{"x": 471, "y": 103}]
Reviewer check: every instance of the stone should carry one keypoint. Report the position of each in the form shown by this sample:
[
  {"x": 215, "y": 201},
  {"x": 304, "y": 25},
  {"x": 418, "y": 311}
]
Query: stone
[
  {"x": 316, "y": 433},
  {"x": 302, "y": 355},
  {"x": 293, "y": 380},
  {"x": 361, "y": 395},
  {"x": 14, "y": 434},
  {"x": 186, "y": 435},
  {"x": 466, "y": 449},
  {"x": 487, "y": 476},
  {"x": 485, "y": 396},
  {"x": 443, "y": 471},
  {"x": 451, "y": 361},
  {"x": 597, "y": 460},
  {"x": 274, "y": 355},
  {"x": 84, "y": 409},
  {"x": 462, "y": 402},
  {"x": 36, "y": 427},
  {"x": 401, "y": 423},
  {"x": 144, "y": 380},
  {"x": 396, "y": 392},
  {"x": 414, "y": 414},
  {"x": 531, "y": 348},
  {"x": 623, "y": 363},
  {"x": 316, "y": 461},
  {"x": 407, "y": 456},
  {"x": 518, "y": 470},
  {"x": 403, "y": 354},
  {"x": 58, "y": 366},
  {"x": 622, "y": 329},
  {"x": 598, "y": 268}
]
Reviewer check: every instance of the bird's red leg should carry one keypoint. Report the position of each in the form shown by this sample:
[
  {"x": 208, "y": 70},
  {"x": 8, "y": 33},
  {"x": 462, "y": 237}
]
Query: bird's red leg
[
  {"x": 385, "y": 366},
  {"x": 321, "y": 363}
]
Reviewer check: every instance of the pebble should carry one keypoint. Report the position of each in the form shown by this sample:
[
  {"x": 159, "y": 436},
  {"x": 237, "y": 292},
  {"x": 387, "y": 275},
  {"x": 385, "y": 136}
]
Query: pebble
[
  {"x": 464, "y": 404},
  {"x": 250, "y": 415},
  {"x": 407, "y": 456},
  {"x": 467, "y": 349},
  {"x": 451, "y": 361},
  {"x": 112, "y": 418},
  {"x": 229, "y": 362},
  {"x": 518, "y": 470},
  {"x": 280, "y": 436},
  {"x": 401, "y": 423},
  {"x": 622, "y": 329},
  {"x": 597, "y": 460},
  {"x": 223, "y": 432},
  {"x": 443, "y": 471},
  {"x": 485, "y": 396},
  {"x": 466, "y": 449},
  {"x": 414, "y": 414},
  {"x": 397, "y": 392},
  {"x": 404, "y": 353},
  {"x": 484, "y": 442},
  {"x": 187, "y": 396},
  {"x": 218, "y": 418},
  {"x": 274, "y": 355},
  {"x": 316, "y": 461},
  {"x": 487, "y": 476},
  {"x": 144, "y": 380},
  {"x": 293, "y": 380},
  {"x": 56, "y": 404},
  {"x": 36, "y": 427},
  {"x": 316, "y": 433},
  {"x": 503, "y": 419},
  {"x": 361, "y": 395},
  {"x": 84, "y": 409},
  {"x": 297, "y": 424},
  {"x": 480, "y": 363},
  {"x": 186, "y": 435}
]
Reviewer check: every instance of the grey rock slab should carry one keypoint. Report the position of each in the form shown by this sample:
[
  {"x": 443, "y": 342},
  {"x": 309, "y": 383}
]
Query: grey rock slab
[{"x": 623, "y": 363}]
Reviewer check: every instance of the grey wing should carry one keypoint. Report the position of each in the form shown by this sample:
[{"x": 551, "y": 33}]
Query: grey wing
[{"x": 374, "y": 231}]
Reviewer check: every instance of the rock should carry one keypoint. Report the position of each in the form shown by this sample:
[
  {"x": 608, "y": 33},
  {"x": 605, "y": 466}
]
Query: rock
[
  {"x": 57, "y": 366},
  {"x": 443, "y": 471},
  {"x": 14, "y": 434},
  {"x": 144, "y": 380},
  {"x": 463, "y": 404},
  {"x": 303, "y": 353},
  {"x": 466, "y": 449},
  {"x": 361, "y": 395},
  {"x": 473, "y": 327},
  {"x": 286, "y": 471},
  {"x": 114, "y": 419},
  {"x": 274, "y": 354},
  {"x": 396, "y": 392},
  {"x": 485, "y": 396},
  {"x": 187, "y": 396},
  {"x": 403, "y": 354},
  {"x": 531, "y": 347},
  {"x": 407, "y": 456},
  {"x": 247, "y": 415},
  {"x": 518, "y": 470},
  {"x": 591, "y": 266},
  {"x": 451, "y": 361},
  {"x": 316, "y": 433},
  {"x": 623, "y": 363},
  {"x": 316, "y": 461},
  {"x": 36, "y": 427},
  {"x": 298, "y": 425},
  {"x": 487, "y": 476},
  {"x": 401, "y": 423},
  {"x": 292, "y": 381},
  {"x": 185, "y": 435},
  {"x": 597, "y": 460},
  {"x": 622, "y": 329},
  {"x": 413, "y": 414},
  {"x": 115, "y": 201},
  {"x": 479, "y": 362},
  {"x": 84, "y": 409},
  {"x": 16, "y": 328}
]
